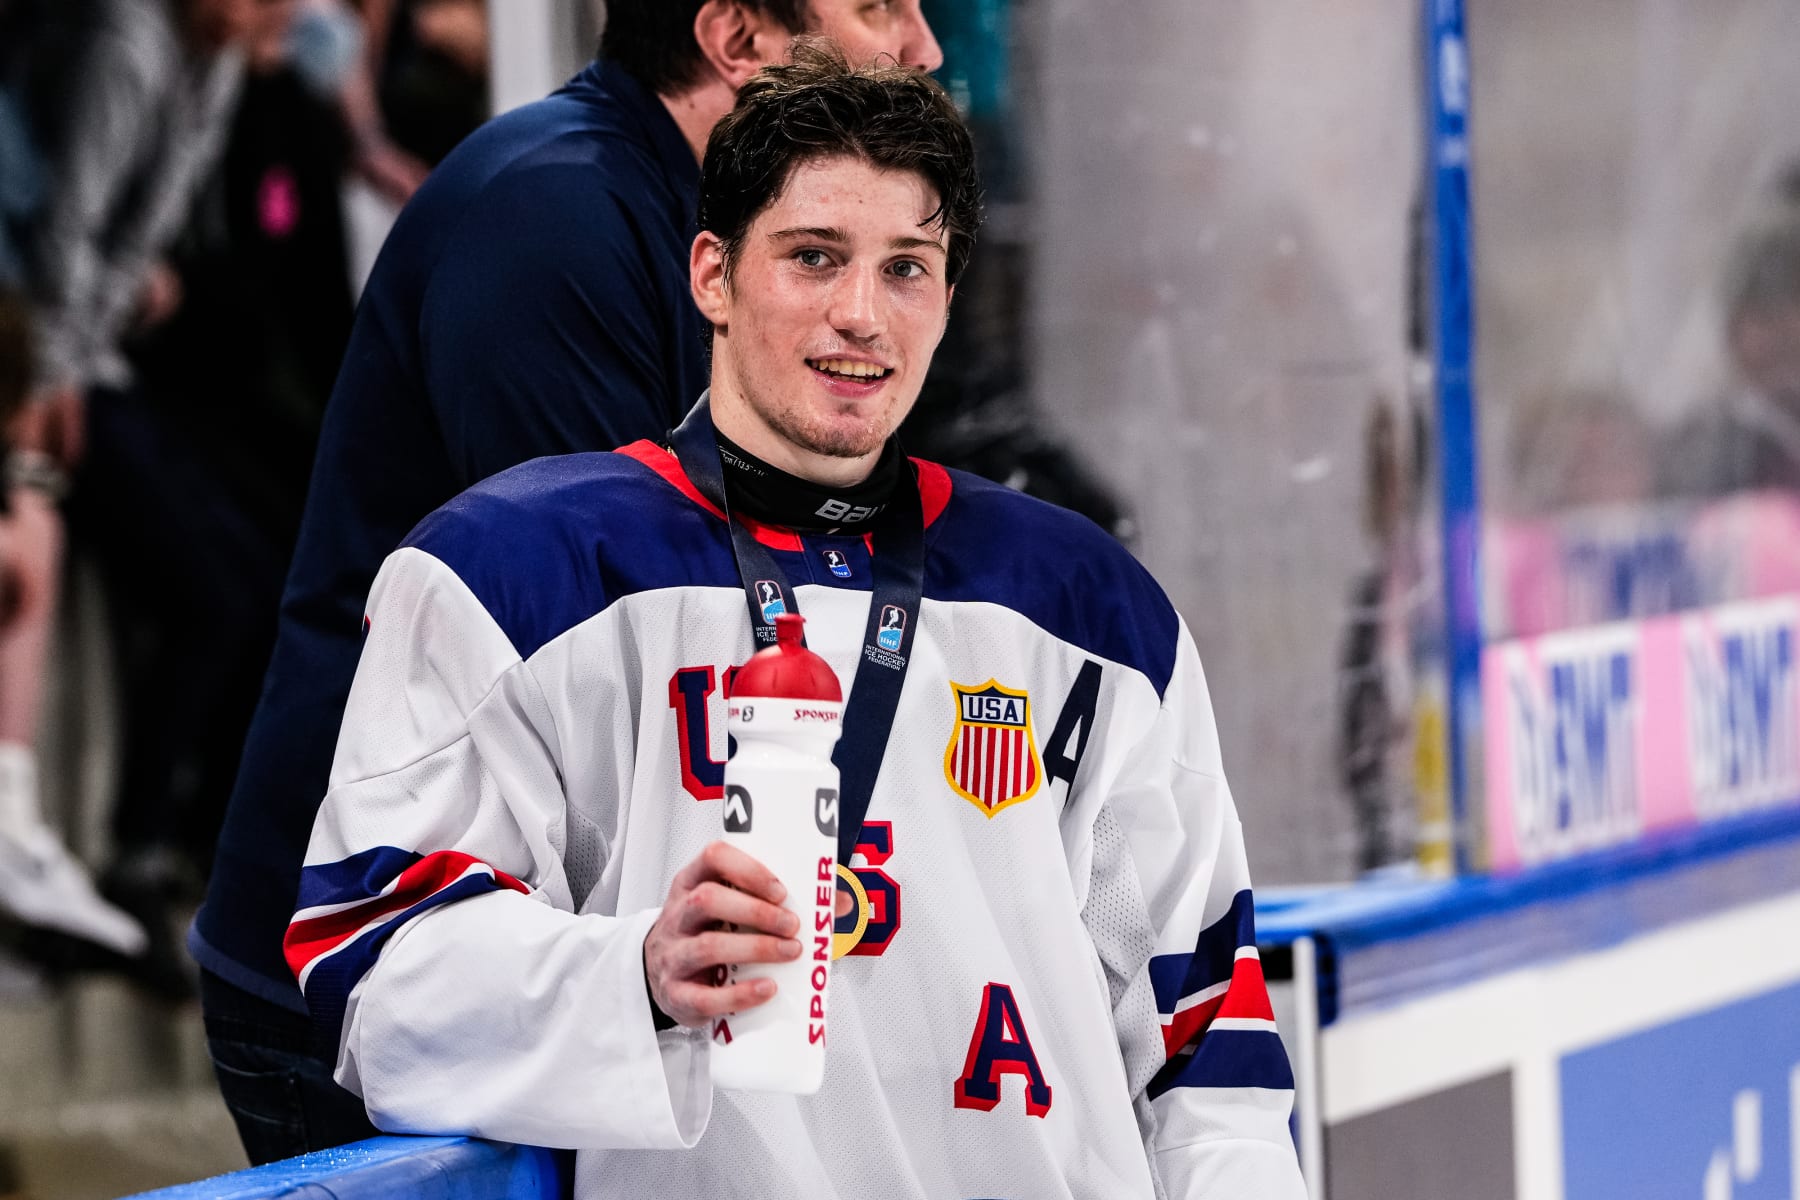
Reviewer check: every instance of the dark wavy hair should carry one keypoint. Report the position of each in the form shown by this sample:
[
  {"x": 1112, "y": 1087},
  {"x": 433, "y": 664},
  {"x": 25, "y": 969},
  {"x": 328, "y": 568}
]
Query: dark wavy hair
[
  {"x": 818, "y": 106},
  {"x": 654, "y": 39}
]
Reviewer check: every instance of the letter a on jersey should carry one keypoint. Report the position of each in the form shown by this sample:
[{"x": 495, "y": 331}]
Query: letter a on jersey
[{"x": 992, "y": 760}]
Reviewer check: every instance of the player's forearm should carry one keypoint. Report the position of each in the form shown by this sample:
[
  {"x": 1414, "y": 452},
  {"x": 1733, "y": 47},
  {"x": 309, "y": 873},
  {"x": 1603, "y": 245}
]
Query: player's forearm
[{"x": 502, "y": 1017}]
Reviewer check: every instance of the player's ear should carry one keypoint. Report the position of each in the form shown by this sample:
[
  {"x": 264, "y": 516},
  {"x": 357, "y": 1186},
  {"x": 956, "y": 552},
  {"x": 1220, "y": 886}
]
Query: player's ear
[
  {"x": 706, "y": 278},
  {"x": 737, "y": 40}
]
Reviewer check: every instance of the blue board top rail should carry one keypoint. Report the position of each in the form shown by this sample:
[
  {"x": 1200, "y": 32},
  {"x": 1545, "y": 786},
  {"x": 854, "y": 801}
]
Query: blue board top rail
[
  {"x": 416, "y": 1168},
  {"x": 1383, "y": 942}
]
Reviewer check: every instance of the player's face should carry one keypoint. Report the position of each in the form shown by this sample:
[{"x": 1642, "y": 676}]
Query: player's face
[
  {"x": 870, "y": 29},
  {"x": 827, "y": 324}
]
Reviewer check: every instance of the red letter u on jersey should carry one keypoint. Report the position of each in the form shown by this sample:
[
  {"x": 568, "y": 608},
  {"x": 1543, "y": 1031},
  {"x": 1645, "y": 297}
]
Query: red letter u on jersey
[
  {"x": 690, "y": 692},
  {"x": 1001, "y": 1047}
]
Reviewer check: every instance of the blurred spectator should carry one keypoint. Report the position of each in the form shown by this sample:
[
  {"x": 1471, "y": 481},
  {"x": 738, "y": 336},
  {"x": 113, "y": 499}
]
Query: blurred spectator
[
  {"x": 1577, "y": 448},
  {"x": 241, "y": 373},
  {"x": 42, "y": 886},
  {"x": 1752, "y": 441},
  {"x": 330, "y": 46},
  {"x": 433, "y": 71},
  {"x": 142, "y": 116},
  {"x": 132, "y": 127},
  {"x": 532, "y": 299},
  {"x": 250, "y": 358},
  {"x": 1374, "y": 679}
]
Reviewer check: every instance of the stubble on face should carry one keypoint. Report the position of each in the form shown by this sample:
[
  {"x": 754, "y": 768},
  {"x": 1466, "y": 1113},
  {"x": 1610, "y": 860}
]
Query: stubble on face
[{"x": 818, "y": 430}]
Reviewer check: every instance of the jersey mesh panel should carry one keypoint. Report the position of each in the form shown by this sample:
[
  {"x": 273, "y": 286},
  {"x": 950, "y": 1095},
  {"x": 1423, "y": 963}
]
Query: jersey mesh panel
[{"x": 1119, "y": 923}]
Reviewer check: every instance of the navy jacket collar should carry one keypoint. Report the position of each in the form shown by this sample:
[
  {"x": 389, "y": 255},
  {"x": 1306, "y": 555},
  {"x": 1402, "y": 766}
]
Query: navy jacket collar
[{"x": 651, "y": 116}]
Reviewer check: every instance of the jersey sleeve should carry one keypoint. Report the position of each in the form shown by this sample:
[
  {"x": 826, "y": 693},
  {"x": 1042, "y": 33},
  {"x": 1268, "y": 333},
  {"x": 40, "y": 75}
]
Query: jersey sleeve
[
  {"x": 1207, "y": 1070},
  {"x": 436, "y": 939},
  {"x": 547, "y": 327}
]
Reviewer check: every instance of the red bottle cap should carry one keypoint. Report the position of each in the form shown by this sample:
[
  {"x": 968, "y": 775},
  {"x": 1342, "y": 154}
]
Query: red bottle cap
[{"x": 787, "y": 670}]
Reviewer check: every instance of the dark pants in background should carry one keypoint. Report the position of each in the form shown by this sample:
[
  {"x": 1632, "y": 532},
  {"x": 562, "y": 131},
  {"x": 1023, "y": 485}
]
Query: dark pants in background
[
  {"x": 278, "y": 1088},
  {"x": 192, "y": 586}
]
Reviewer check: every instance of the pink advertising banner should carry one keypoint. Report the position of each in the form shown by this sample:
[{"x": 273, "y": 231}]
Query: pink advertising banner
[{"x": 1596, "y": 736}]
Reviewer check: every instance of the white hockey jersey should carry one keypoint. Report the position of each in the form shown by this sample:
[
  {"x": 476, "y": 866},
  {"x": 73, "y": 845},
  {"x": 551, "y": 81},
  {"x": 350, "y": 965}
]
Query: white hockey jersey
[{"x": 1049, "y": 984}]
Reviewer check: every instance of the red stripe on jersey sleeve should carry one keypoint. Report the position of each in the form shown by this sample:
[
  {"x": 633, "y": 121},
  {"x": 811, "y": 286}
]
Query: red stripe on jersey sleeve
[
  {"x": 307, "y": 939},
  {"x": 1247, "y": 996}
]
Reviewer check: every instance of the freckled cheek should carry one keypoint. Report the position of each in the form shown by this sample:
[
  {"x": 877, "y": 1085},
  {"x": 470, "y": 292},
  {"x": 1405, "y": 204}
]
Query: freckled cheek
[
  {"x": 915, "y": 303},
  {"x": 920, "y": 318}
]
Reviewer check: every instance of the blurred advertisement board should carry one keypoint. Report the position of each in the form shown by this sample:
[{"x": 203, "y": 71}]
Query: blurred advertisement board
[{"x": 1599, "y": 735}]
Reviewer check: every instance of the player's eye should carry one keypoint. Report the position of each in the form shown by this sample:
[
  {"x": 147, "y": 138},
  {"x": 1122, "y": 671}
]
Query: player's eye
[
  {"x": 811, "y": 258},
  {"x": 909, "y": 268}
]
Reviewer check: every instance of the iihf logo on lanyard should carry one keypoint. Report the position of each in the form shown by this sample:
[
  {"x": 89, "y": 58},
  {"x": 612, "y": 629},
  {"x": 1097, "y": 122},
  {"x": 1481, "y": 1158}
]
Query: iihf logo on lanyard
[
  {"x": 768, "y": 594},
  {"x": 893, "y": 628}
]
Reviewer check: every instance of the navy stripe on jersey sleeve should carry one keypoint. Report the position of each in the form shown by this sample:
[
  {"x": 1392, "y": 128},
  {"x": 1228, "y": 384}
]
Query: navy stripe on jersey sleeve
[
  {"x": 1228, "y": 1059},
  {"x": 1057, "y": 569},
  {"x": 1175, "y": 977},
  {"x": 349, "y": 909}
]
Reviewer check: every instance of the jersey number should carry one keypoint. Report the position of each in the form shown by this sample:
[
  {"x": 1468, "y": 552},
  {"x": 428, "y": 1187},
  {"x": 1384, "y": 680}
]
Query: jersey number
[{"x": 874, "y": 915}]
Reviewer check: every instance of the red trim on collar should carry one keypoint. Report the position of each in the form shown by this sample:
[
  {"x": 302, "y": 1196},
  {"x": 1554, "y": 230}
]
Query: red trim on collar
[
  {"x": 934, "y": 489},
  {"x": 934, "y": 493},
  {"x": 662, "y": 460}
]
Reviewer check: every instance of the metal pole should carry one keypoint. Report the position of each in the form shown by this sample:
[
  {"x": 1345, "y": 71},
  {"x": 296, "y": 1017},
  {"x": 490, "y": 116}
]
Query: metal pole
[
  {"x": 1308, "y": 1103},
  {"x": 1450, "y": 245}
]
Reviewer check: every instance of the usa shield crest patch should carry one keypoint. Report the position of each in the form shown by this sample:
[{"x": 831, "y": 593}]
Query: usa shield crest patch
[{"x": 992, "y": 760}]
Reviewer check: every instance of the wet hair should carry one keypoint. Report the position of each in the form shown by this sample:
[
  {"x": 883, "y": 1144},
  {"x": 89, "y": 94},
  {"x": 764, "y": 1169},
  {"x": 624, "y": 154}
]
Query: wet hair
[
  {"x": 817, "y": 106},
  {"x": 654, "y": 39}
]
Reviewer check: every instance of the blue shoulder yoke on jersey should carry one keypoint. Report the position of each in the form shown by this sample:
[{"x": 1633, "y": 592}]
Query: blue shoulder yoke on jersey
[{"x": 589, "y": 529}]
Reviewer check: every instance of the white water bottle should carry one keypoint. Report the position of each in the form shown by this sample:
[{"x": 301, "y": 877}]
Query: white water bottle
[{"x": 781, "y": 800}]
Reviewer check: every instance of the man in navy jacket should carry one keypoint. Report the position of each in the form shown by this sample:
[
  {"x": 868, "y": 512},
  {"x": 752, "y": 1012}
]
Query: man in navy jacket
[{"x": 532, "y": 299}]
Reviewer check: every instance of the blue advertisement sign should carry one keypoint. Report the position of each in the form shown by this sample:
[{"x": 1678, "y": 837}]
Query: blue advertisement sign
[{"x": 1704, "y": 1108}]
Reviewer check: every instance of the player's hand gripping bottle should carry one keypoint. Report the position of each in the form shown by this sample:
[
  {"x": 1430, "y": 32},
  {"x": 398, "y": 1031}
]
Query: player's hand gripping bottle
[{"x": 781, "y": 795}]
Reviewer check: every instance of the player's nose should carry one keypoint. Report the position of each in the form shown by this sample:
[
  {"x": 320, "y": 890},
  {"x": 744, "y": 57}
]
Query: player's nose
[{"x": 856, "y": 307}]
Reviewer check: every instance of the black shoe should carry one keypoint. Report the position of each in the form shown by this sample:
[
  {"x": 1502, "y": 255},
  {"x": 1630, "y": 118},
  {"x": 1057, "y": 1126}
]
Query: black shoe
[{"x": 151, "y": 886}]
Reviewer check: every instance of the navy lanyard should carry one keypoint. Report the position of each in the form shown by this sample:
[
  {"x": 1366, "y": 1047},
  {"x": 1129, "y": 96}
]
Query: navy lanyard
[{"x": 898, "y": 566}]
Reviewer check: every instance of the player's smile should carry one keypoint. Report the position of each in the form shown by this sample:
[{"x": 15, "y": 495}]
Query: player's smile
[{"x": 851, "y": 378}]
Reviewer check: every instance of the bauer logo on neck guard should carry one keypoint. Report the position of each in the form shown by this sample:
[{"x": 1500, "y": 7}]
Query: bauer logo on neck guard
[{"x": 992, "y": 760}]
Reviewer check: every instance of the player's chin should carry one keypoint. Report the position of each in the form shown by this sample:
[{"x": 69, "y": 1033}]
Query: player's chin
[
  {"x": 846, "y": 444},
  {"x": 849, "y": 434}
]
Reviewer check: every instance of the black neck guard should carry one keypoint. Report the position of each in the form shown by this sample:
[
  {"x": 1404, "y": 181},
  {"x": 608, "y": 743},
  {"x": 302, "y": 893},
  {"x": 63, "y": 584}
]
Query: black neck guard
[{"x": 774, "y": 497}]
